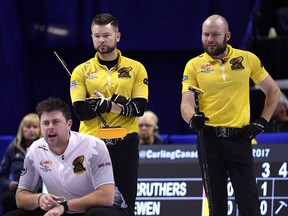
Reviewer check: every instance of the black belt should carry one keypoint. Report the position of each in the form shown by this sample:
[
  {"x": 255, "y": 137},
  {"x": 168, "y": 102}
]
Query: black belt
[
  {"x": 115, "y": 141},
  {"x": 224, "y": 132}
]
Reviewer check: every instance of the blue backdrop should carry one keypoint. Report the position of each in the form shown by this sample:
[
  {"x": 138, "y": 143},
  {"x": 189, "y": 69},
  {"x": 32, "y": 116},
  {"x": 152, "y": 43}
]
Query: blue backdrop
[{"x": 162, "y": 34}]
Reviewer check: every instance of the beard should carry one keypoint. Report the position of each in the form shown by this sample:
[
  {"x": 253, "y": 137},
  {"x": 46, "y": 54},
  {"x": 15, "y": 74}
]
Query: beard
[
  {"x": 220, "y": 49},
  {"x": 105, "y": 49}
]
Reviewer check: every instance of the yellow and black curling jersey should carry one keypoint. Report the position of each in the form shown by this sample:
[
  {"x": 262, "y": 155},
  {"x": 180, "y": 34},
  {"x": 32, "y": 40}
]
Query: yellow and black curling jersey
[
  {"x": 128, "y": 78},
  {"x": 225, "y": 84}
]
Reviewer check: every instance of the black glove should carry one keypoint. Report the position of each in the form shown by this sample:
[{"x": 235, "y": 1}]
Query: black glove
[
  {"x": 119, "y": 99},
  {"x": 197, "y": 122},
  {"x": 99, "y": 105},
  {"x": 252, "y": 130}
]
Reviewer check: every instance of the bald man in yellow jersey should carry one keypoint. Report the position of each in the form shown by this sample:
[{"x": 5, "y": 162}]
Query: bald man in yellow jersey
[
  {"x": 124, "y": 84},
  {"x": 223, "y": 73}
]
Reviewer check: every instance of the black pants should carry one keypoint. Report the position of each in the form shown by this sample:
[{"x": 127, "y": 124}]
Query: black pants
[
  {"x": 231, "y": 157},
  {"x": 8, "y": 201},
  {"x": 99, "y": 211},
  {"x": 125, "y": 161}
]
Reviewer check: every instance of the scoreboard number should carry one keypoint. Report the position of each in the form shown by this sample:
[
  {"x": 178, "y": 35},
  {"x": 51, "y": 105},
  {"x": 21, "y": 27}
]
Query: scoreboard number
[
  {"x": 170, "y": 182},
  {"x": 266, "y": 172},
  {"x": 283, "y": 170}
]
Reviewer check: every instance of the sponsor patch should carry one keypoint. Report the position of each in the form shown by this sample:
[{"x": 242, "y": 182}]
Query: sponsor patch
[
  {"x": 91, "y": 75},
  {"x": 43, "y": 147},
  {"x": 23, "y": 171},
  {"x": 45, "y": 165},
  {"x": 73, "y": 84},
  {"x": 185, "y": 77},
  {"x": 207, "y": 68},
  {"x": 105, "y": 164},
  {"x": 145, "y": 81}
]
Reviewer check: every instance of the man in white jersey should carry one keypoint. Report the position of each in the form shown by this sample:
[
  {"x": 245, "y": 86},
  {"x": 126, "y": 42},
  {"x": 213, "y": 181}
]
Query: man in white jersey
[{"x": 75, "y": 168}]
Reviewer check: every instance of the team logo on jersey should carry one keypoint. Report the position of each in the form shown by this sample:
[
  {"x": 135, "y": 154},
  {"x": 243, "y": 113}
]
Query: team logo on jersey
[
  {"x": 124, "y": 72},
  {"x": 236, "y": 63},
  {"x": 78, "y": 165},
  {"x": 45, "y": 165},
  {"x": 206, "y": 68}
]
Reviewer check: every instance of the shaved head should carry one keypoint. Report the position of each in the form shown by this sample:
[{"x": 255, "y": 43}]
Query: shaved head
[
  {"x": 216, "y": 20},
  {"x": 215, "y": 34}
]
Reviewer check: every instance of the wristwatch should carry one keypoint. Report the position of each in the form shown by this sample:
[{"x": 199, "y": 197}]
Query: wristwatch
[{"x": 63, "y": 201}]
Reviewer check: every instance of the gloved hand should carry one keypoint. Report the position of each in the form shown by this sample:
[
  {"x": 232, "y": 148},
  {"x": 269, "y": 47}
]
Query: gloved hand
[
  {"x": 252, "y": 130},
  {"x": 119, "y": 99},
  {"x": 197, "y": 122},
  {"x": 99, "y": 105}
]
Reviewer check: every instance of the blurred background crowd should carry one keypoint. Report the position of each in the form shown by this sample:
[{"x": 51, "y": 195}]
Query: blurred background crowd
[{"x": 163, "y": 36}]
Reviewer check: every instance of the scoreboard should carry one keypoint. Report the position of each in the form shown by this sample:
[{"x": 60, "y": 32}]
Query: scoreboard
[{"x": 170, "y": 182}]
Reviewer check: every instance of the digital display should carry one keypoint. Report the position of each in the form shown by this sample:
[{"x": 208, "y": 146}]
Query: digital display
[{"x": 170, "y": 182}]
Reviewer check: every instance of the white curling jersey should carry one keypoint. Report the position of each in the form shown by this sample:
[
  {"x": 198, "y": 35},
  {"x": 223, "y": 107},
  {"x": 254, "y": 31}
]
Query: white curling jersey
[{"x": 81, "y": 169}]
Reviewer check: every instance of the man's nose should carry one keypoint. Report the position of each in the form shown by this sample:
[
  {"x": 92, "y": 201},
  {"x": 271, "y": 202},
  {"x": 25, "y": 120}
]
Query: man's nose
[{"x": 101, "y": 40}]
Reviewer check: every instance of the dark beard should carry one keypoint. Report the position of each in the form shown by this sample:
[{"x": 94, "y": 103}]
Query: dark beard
[
  {"x": 105, "y": 51},
  {"x": 219, "y": 50}
]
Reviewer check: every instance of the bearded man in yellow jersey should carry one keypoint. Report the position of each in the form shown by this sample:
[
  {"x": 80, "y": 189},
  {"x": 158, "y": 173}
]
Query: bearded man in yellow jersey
[
  {"x": 124, "y": 84},
  {"x": 223, "y": 73}
]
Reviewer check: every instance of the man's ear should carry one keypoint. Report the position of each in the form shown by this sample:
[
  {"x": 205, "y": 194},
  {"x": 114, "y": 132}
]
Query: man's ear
[
  {"x": 69, "y": 123},
  {"x": 118, "y": 36},
  {"x": 228, "y": 36}
]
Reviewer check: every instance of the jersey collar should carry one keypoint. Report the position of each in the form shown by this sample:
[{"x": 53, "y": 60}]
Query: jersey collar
[{"x": 211, "y": 60}]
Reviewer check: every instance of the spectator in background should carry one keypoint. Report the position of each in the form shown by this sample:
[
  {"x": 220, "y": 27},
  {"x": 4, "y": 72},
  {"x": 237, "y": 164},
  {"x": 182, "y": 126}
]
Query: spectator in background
[
  {"x": 12, "y": 162},
  {"x": 279, "y": 120},
  {"x": 148, "y": 129},
  {"x": 282, "y": 19}
]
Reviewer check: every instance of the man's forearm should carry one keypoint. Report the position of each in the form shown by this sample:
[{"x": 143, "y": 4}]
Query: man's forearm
[
  {"x": 27, "y": 200},
  {"x": 187, "y": 106},
  {"x": 270, "y": 104},
  {"x": 103, "y": 196},
  {"x": 272, "y": 92}
]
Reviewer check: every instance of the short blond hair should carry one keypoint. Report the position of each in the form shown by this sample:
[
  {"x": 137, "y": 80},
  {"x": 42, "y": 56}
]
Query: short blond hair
[
  {"x": 153, "y": 116},
  {"x": 30, "y": 117}
]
